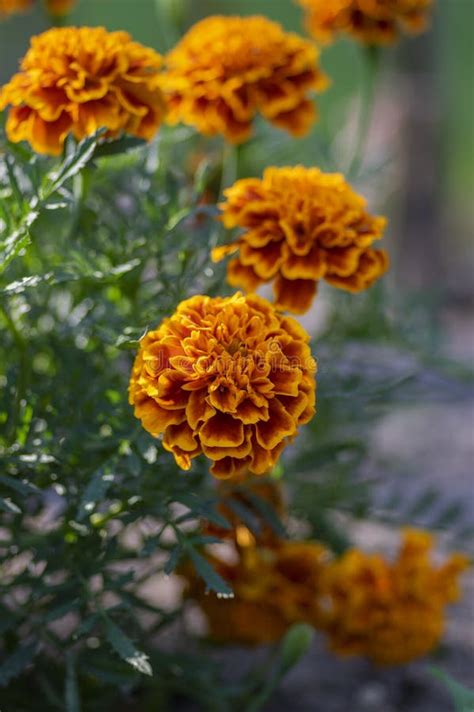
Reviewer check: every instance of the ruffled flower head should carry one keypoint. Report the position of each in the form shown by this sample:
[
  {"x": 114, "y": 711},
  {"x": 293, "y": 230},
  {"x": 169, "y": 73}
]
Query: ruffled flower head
[
  {"x": 225, "y": 70},
  {"x": 370, "y": 21},
  {"x": 389, "y": 612},
  {"x": 300, "y": 226},
  {"x": 273, "y": 589},
  {"x": 227, "y": 377},
  {"x": 77, "y": 80}
]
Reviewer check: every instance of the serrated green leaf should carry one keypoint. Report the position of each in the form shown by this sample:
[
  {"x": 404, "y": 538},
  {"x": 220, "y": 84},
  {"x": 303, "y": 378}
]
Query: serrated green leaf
[
  {"x": 173, "y": 560},
  {"x": 211, "y": 578},
  {"x": 12, "y": 245},
  {"x": 268, "y": 514},
  {"x": 63, "y": 609},
  {"x": 244, "y": 514},
  {"x": 73, "y": 163},
  {"x": 94, "y": 493},
  {"x": 19, "y": 285},
  {"x": 206, "y": 509},
  {"x": 21, "y": 486},
  {"x": 124, "y": 647},
  {"x": 8, "y": 506},
  {"x": 121, "y": 145},
  {"x": 87, "y": 625}
]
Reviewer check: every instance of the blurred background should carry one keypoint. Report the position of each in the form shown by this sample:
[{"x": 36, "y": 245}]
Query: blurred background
[{"x": 418, "y": 169}]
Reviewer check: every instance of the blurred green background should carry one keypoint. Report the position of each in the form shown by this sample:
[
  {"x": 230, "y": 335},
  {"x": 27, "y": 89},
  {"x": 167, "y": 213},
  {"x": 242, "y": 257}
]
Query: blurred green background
[{"x": 420, "y": 156}]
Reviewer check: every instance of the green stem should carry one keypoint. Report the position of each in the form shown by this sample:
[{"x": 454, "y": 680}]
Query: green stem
[
  {"x": 367, "y": 96},
  {"x": 168, "y": 16},
  {"x": 230, "y": 167}
]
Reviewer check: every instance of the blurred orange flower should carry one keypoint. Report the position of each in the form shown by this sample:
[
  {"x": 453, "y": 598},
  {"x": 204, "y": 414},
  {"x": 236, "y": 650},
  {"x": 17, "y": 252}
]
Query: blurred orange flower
[
  {"x": 388, "y": 612},
  {"x": 300, "y": 225},
  {"x": 273, "y": 588},
  {"x": 370, "y": 21},
  {"x": 77, "y": 80},
  {"x": 11, "y": 7},
  {"x": 59, "y": 7},
  {"x": 227, "y": 377},
  {"x": 225, "y": 70}
]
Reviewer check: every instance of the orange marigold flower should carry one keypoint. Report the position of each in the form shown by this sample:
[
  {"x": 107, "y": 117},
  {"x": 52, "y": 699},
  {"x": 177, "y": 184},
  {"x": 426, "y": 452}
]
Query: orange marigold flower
[
  {"x": 225, "y": 70},
  {"x": 273, "y": 588},
  {"x": 77, "y": 80},
  {"x": 227, "y": 377},
  {"x": 11, "y": 7},
  {"x": 300, "y": 225},
  {"x": 59, "y": 7},
  {"x": 389, "y": 612},
  {"x": 370, "y": 21}
]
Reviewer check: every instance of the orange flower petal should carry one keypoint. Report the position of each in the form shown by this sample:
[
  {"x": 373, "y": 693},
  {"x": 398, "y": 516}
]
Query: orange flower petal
[
  {"x": 222, "y": 430},
  {"x": 280, "y": 424},
  {"x": 295, "y": 295}
]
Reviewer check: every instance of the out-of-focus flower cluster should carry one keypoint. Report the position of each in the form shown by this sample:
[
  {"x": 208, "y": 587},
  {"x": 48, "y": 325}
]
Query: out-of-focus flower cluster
[
  {"x": 60, "y": 8},
  {"x": 388, "y": 611},
  {"x": 225, "y": 70},
  {"x": 77, "y": 80},
  {"x": 227, "y": 377},
  {"x": 300, "y": 225},
  {"x": 11, "y": 7},
  {"x": 370, "y": 21},
  {"x": 57, "y": 8}
]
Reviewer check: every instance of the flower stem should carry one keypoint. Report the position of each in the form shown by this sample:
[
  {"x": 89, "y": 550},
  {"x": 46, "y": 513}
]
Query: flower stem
[
  {"x": 367, "y": 96},
  {"x": 230, "y": 166}
]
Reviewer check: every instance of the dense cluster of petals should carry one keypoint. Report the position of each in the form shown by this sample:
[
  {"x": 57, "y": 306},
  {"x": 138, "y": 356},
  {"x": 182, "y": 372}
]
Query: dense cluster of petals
[
  {"x": 226, "y": 70},
  {"x": 273, "y": 589},
  {"x": 389, "y": 612},
  {"x": 370, "y": 21},
  {"x": 300, "y": 225},
  {"x": 227, "y": 377},
  {"x": 77, "y": 80},
  {"x": 11, "y": 7}
]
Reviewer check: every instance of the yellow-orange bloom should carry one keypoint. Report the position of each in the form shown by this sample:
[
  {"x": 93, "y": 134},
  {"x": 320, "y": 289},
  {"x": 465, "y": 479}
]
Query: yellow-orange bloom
[
  {"x": 388, "y": 612},
  {"x": 225, "y": 70},
  {"x": 11, "y": 7},
  {"x": 77, "y": 80},
  {"x": 370, "y": 21},
  {"x": 59, "y": 7},
  {"x": 227, "y": 377},
  {"x": 273, "y": 588},
  {"x": 300, "y": 225}
]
